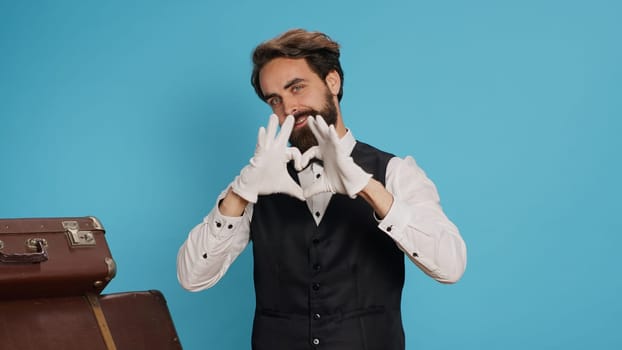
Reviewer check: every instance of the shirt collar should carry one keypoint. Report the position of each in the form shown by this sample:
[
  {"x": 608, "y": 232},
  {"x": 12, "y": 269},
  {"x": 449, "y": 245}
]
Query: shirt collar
[{"x": 348, "y": 141}]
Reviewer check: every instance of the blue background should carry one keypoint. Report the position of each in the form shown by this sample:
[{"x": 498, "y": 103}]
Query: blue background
[{"x": 140, "y": 113}]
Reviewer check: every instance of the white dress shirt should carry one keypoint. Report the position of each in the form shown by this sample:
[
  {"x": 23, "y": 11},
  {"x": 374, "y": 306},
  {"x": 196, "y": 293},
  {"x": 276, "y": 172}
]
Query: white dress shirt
[{"x": 415, "y": 221}]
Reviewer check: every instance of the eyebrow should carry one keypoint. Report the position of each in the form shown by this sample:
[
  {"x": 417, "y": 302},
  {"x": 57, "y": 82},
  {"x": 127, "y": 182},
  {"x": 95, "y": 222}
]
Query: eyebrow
[
  {"x": 285, "y": 87},
  {"x": 292, "y": 82}
]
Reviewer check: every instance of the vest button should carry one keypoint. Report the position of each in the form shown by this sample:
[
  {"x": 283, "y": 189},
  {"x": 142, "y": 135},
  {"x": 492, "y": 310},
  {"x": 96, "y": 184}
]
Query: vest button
[
  {"x": 317, "y": 267},
  {"x": 316, "y": 341},
  {"x": 316, "y": 316},
  {"x": 316, "y": 286},
  {"x": 316, "y": 241}
]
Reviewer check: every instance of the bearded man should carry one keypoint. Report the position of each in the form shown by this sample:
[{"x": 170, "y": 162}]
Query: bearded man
[{"x": 330, "y": 217}]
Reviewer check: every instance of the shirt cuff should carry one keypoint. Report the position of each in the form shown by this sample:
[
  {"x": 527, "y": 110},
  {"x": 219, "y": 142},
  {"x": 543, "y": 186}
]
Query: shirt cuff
[
  {"x": 220, "y": 225},
  {"x": 395, "y": 223}
]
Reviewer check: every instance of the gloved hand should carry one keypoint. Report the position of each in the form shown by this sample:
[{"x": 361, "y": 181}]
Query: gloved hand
[
  {"x": 267, "y": 171},
  {"x": 341, "y": 174}
]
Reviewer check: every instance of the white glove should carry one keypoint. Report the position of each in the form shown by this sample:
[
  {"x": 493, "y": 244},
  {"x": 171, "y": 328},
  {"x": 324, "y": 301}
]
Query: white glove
[
  {"x": 267, "y": 171},
  {"x": 341, "y": 174}
]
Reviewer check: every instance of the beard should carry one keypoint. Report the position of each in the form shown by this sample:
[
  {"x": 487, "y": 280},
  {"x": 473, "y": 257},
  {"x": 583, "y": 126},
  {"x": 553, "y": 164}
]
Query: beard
[{"x": 303, "y": 138}]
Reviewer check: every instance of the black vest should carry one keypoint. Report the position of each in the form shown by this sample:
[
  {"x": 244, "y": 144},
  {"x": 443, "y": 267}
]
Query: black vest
[{"x": 333, "y": 286}]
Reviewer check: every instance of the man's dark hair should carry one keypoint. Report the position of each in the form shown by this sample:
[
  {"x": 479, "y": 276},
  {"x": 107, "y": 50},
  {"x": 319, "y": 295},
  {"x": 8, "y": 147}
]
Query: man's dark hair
[{"x": 319, "y": 50}]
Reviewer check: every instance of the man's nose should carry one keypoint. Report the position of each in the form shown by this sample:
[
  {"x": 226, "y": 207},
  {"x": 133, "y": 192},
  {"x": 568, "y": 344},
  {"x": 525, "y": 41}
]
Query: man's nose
[{"x": 291, "y": 107}]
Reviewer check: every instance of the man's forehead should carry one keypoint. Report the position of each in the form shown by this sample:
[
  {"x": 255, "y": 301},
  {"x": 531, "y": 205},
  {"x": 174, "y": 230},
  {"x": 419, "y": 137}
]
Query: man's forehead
[
  {"x": 283, "y": 67},
  {"x": 279, "y": 72}
]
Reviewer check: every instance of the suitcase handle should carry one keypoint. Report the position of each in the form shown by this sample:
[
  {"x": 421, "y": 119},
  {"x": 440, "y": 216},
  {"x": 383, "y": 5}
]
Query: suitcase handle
[{"x": 41, "y": 254}]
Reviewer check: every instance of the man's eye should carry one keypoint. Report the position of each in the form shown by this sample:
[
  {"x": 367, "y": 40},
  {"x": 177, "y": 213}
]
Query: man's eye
[
  {"x": 297, "y": 88},
  {"x": 274, "y": 101}
]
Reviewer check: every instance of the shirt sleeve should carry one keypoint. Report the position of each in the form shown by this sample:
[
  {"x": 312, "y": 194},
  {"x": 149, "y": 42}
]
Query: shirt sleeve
[
  {"x": 419, "y": 226},
  {"x": 211, "y": 247}
]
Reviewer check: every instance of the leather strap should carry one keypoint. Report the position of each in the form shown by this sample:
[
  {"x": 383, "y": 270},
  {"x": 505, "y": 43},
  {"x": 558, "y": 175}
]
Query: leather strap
[{"x": 101, "y": 321}]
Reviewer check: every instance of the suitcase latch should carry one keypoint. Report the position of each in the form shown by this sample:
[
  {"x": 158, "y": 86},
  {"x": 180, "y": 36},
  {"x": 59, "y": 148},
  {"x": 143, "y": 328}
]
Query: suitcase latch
[{"x": 77, "y": 237}]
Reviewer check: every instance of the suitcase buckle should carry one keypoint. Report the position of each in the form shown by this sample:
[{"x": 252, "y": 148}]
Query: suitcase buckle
[
  {"x": 36, "y": 244},
  {"x": 77, "y": 237}
]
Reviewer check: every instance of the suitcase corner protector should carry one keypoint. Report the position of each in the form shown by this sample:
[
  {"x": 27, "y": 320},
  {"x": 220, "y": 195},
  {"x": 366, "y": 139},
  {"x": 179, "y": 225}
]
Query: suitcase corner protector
[{"x": 97, "y": 225}]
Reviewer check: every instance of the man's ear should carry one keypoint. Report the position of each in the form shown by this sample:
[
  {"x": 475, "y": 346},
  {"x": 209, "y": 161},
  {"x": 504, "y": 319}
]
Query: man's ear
[{"x": 333, "y": 81}]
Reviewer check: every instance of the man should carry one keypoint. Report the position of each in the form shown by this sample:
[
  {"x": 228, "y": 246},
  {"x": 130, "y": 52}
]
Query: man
[{"x": 330, "y": 217}]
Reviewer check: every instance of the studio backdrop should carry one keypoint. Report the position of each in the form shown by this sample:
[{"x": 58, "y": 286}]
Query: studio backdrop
[{"x": 141, "y": 112}]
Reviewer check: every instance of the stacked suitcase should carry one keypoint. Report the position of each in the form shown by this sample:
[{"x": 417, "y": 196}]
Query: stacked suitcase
[{"x": 52, "y": 274}]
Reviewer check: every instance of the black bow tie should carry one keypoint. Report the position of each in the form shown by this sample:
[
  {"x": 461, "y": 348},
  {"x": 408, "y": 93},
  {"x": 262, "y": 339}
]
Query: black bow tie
[
  {"x": 312, "y": 161},
  {"x": 316, "y": 161}
]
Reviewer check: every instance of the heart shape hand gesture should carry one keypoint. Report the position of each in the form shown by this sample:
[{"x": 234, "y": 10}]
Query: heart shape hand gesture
[
  {"x": 267, "y": 172},
  {"x": 342, "y": 174}
]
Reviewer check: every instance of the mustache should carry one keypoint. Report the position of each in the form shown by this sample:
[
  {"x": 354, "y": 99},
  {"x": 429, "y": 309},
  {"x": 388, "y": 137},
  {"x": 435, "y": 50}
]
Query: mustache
[{"x": 311, "y": 112}]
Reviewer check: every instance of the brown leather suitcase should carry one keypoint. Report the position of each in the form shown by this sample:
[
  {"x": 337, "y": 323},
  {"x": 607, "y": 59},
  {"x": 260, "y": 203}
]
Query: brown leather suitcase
[
  {"x": 119, "y": 321},
  {"x": 45, "y": 257}
]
